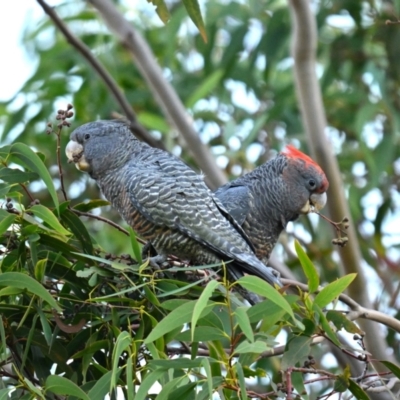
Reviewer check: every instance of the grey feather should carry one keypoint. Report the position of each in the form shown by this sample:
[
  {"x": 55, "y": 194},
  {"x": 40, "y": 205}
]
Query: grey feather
[{"x": 165, "y": 201}]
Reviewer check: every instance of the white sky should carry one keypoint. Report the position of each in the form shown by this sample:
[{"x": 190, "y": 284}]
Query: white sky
[{"x": 15, "y": 67}]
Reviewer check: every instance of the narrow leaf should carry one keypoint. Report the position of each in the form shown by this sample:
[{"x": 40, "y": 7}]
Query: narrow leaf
[
  {"x": 47, "y": 216},
  {"x": 341, "y": 321},
  {"x": 202, "y": 302},
  {"x": 242, "y": 382},
  {"x": 148, "y": 382},
  {"x": 358, "y": 393},
  {"x": 135, "y": 246},
  {"x": 297, "y": 351},
  {"x": 256, "y": 347},
  {"x": 207, "y": 367},
  {"x": 308, "y": 268},
  {"x": 102, "y": 386},
  {"x": 178, "y": 317},
  {"x": 122, "y": 344},
  {"x": 6, "y": 223},
  {"x": 15, "y": 175},
  {"x": 394, "y": 368},
  {"x": 90, "y": 205},
  {"x": 298, "y": 384},
  {"x": 77, "y": 227},
  {"x": 330, "y": 292},
  {"x": 258, "y": 286},
  {"x": 193, "y": 9},
  {"x": 60, "y": 385},
  {"x": 35, "y": 164},
  {"x": 4, "y": 394},
  {"x": 244, "y": 322},
  {"x": 22, "y": 281},
  {"x": 325, "y": 326},
  {"x": 202, "y": 334},
  {"x": 206, "y": 87},
  {"x": 161, "y": 10}
]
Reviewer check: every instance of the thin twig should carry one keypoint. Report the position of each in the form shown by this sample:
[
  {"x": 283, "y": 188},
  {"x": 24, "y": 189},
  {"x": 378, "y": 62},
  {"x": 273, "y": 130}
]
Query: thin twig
[
  {"x": 99, "y": 218},
  {"x": 358, "y": 311},
  {"x": 162, "y": 90},
  {"x": 139, "y": 131}
]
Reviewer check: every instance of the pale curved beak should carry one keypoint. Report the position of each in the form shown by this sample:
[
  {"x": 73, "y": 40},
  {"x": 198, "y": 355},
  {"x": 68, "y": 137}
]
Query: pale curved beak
[
  {"x": 316, "y": 202},
  {"x": 74, "y": 152}
]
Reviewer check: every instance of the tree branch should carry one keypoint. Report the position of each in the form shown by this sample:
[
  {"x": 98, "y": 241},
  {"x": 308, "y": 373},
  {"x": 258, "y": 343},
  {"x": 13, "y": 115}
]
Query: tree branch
[
  {"x": 304, "y": 42},
  {"x": 358, "y": 311},
  {"x": 108, "y": 80},
  {"x": 163, "y": 91}
]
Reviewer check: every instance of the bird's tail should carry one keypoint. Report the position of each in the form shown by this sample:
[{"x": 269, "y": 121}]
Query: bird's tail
[{"x": 253, "y": 266}]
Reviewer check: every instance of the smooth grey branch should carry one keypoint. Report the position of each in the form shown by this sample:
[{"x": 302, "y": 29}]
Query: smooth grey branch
[{"x": 161, "y": 88}]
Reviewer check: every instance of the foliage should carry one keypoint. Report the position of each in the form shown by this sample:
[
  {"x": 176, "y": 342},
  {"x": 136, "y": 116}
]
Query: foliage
[
  {"x": 121, "y": 322},
  {"x": 125, "y": 324}
]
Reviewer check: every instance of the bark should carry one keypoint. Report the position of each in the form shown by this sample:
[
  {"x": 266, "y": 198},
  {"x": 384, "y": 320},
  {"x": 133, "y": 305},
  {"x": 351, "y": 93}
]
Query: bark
[
  {"x": 162, "y": 90},
  {"x": 104, "y": 75},
  {"x": 304, "y": 42}
]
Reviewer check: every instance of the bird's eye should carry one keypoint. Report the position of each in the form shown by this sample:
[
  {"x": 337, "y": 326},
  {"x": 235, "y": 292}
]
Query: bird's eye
[
  {"x": 87, "y": 136},
  {"x": 312, "y": 183}
]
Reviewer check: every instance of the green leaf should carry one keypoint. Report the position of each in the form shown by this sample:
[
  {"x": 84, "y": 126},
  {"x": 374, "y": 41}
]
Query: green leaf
[
  {"x": 47, "y": 333},
  {"x": 258, "y": 286},
  {"x": 202, "y": 303},
  {"x": 206, "y": 87},
  {"x": 4, "y": 394},
  {"x": 205, "y": 363},
  {"x": 22, "y": 281},
  {"x": 202, "y": 334},
  {"x": 256, "y": 347},
  {"x": 298, "y": 384},
  {"x": 242, "y": 382},
  {"x": 153, "y": 121},
  {"x": 342, "y": 381},
  {"x": 47, "y": 216},
  {"x": 244, "y": 322},
  {"x": 6, "y": 223},
  {"x": 116, "y": 265},
  {"x": 35, "y": 164},
  {"x": 393, "y": 367},
  {"x": 40, "y": 269},
  {"x": 178, "y": 363},
  {"x": 60, "y": 385},
  {"x": 15, "y": 175},
  {"x": 298, "y": 349},
  {"x": 78, "y": 229},
  {"x": 161, "y": 10},
  {"x": 193, "y": 9},
  {"x": 90, "y": 205},
  {"x": 358, "y": 393},
  {"x": 135, "y": 246},
  {"x": 184, "y": 392},
  {"x": 4, "y": 189},
  {"x": 341, "y": 321},
  {"x": 33, "y": 389},
  {"x": 178, "y": 317},
  {"x": 308, "y": 268},
  {"x": 267, "y": 311},
  {"x": 325, "y": 326},
  {"x": 102, "y": 386},
  {"x": 171, "y": 386},
  {"x": 147, "y": 383},
  {"x": 333, "y": 290},
  {"x": 122, "y": 344}
]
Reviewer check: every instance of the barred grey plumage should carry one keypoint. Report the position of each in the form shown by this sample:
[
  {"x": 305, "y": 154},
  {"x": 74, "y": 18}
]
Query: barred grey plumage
[
  {"x": 162, "y": 199},
  {"x": 267, "y": 198}
]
